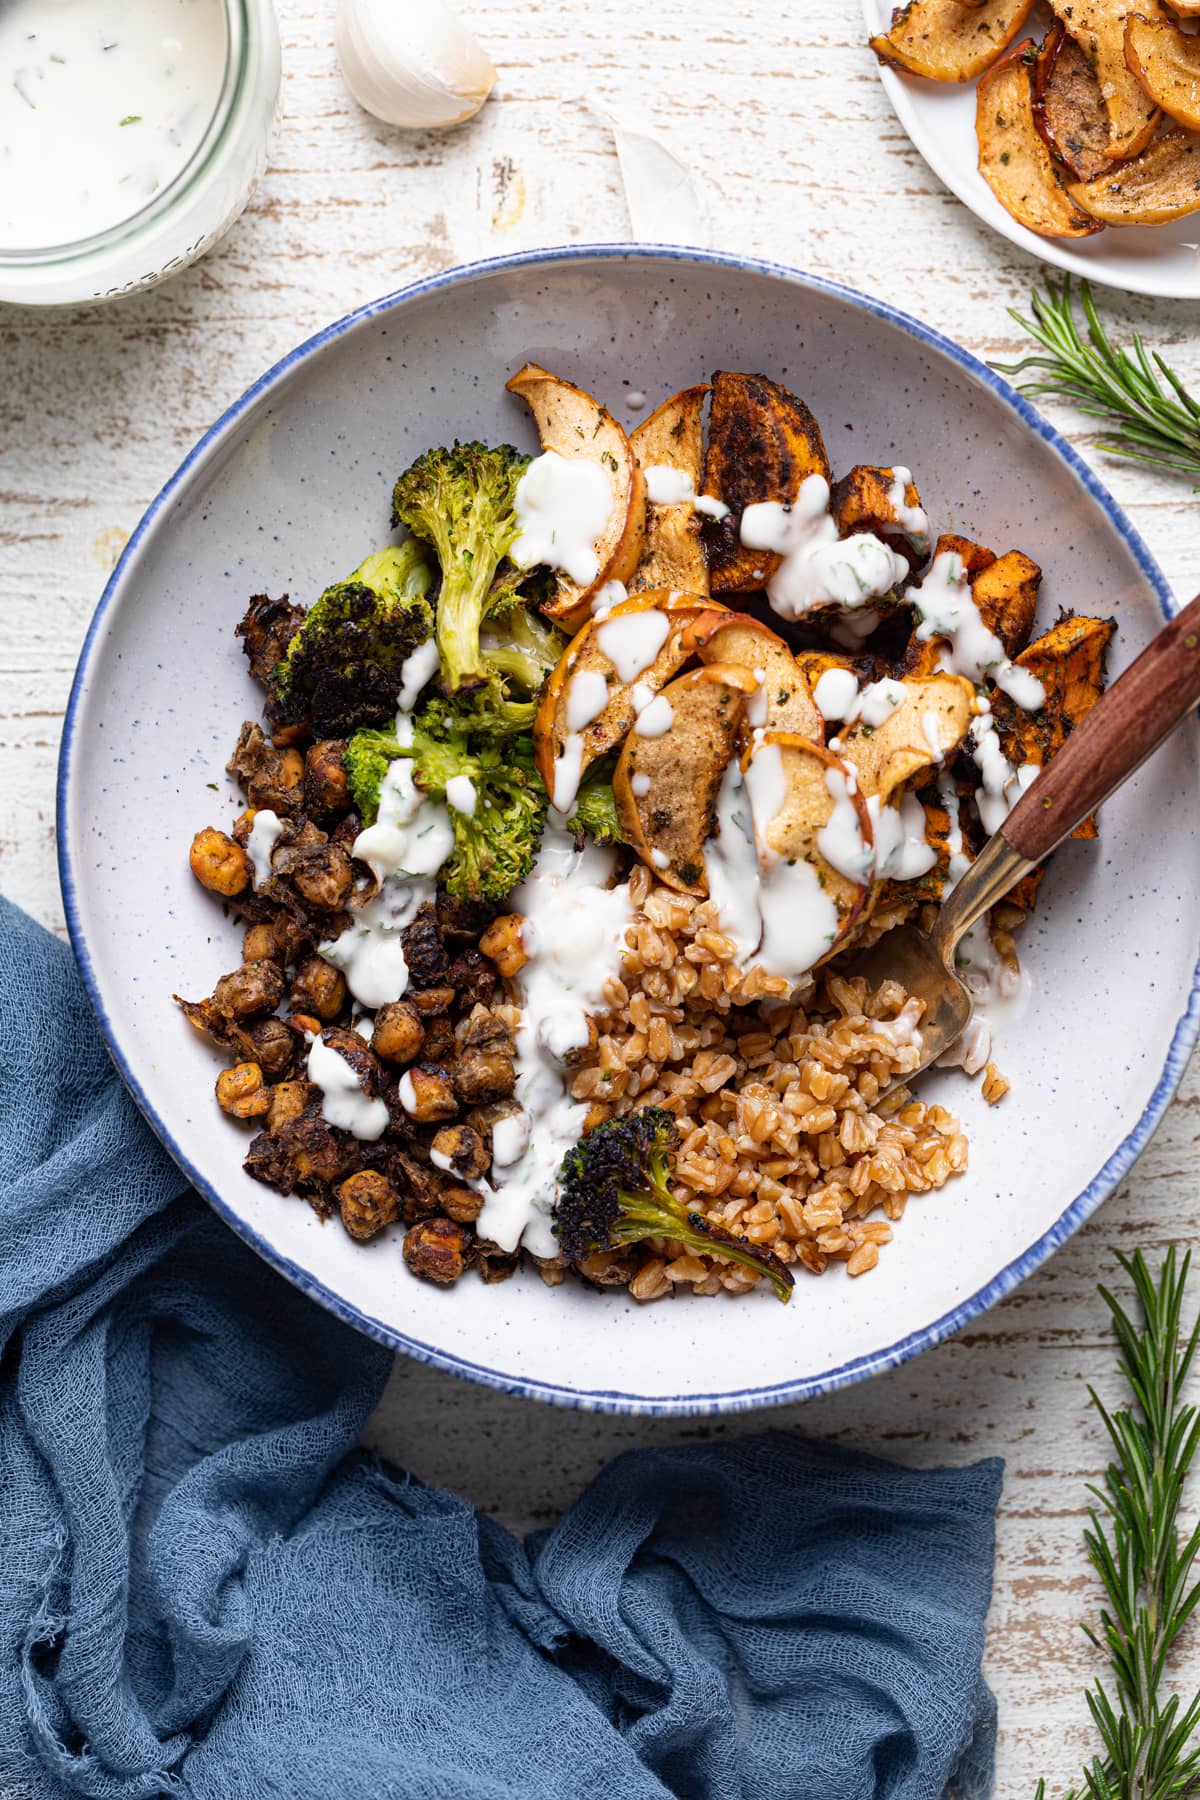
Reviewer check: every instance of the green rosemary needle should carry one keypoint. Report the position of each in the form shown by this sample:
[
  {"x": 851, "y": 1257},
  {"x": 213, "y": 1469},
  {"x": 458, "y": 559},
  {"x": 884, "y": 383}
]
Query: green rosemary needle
[
  {"x": 1151, "y": 416},
  {"x": 1133, "y": 1542}
]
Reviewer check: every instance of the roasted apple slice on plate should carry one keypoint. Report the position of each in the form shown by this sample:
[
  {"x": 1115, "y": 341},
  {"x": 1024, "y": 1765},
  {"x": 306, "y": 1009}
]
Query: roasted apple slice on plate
[
  {"x": 669, "y": 447},
  {"x": 1013, "y": 158},
  {"x": 945, "y": 40},
  {"x": 1161, "y": 184},
  {"x": 1068, "y": 107},
  {"x": 1098, "y": 27},
  {"x": 1166, "y": 62},
  {"x": 666, "y": 782},
  {"x": 609, "y": 673},
  {"x": 574, "y": 426}
]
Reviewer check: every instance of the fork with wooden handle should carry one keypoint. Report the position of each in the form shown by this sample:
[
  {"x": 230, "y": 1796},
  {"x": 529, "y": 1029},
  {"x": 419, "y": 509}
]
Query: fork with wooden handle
[{"x": 1127, "y": 724}]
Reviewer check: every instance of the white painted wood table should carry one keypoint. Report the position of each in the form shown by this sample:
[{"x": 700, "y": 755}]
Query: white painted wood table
[{"x": 782, "y": 113}]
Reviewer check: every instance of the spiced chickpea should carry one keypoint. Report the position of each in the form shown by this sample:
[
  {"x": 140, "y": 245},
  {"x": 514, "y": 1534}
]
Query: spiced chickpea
[
  {"x": 462, "y": 1204},
  {"x": 218, "y": 863},
  {"x": 291, "y": 768},
  {"x": 326, "y": 789},
  {"x": 287, "y": 1101},
  {"x": 426, "y": 1094},
  {"x": 367, "y": 1202},
  {"x": 399, "y": 1033},
  {"x": 437, "y": 1250},
  {"x": 253, "y": 989},
  {"x": 259, "y": 943},
  {"x": 462, "y": 1149},
  {"x": 501, "y": 942},
  {"x": 240, "y": 1092},
  {"x": 318, "y": 989}
]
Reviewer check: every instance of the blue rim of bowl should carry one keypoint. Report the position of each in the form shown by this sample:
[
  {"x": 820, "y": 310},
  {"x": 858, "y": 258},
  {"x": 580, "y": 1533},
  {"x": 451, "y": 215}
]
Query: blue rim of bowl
[{"x": 1102, "y": 1183}]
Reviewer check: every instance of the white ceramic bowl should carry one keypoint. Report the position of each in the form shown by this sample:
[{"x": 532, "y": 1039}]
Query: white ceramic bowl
[
  {"x": 291, "y": 488},
  {"x": 939, "y": 117}
]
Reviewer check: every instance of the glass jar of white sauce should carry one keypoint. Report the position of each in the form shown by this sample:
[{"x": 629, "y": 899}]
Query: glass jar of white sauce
[{"x": 132, "y": 133}]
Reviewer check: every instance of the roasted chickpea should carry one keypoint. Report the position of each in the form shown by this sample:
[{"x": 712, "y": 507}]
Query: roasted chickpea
[
  {"x": 367, "y": 1202},
  {"x": 326, "y": 789},
  {"x": 288, "y": 1100},
  {"x": 274, "y": 1045},
  {"x": 306, "y": 1022},
  {"x": 462, "y": 1204},
  {"x": 463, "y": 1149},
  {"x": 501, "y": 942},
  {"x": 318, "y": 988},
  {"x": 240, "y": 1091},
  {"x": 399, "y": 1033},
  {"x": 218, "y": 863},
  {"x": 437, "y": 1249},
  {"x": 426, "y": 1094},
  {"x": 259, "y": 943},
  {"x": 324, "y": 877},
  {"x": 255, "y": 988},
  {"x": 291, "y": 768}
]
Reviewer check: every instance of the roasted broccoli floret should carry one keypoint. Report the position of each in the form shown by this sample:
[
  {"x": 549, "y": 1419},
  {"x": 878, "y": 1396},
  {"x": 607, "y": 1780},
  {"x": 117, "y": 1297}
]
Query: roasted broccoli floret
[
  {"x": 343, "y": 668},
  {"x": 497, "y": 818},
  {"x": 595, "y": 811},
  {"x": 614, "y": 1189},
  {"x": 522, "y": 648},
  {"x": 463, "y": 503}
]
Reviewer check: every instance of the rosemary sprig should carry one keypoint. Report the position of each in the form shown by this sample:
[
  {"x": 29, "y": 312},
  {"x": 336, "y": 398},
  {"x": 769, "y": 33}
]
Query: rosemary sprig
[
  {"x": 1152, "y": 417},
  {"x": 1134, "y": 1545}
]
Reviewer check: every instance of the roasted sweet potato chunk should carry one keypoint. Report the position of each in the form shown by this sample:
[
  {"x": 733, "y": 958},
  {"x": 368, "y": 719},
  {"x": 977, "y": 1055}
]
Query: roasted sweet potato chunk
[
  {"x": 762, "y": 443},
  {"x": 1098, "y": 27},
  {"x": 1161, "y": 184},
  {"x": 1069, "y": 662},
  {"x": 672, "y": 550},
  {"x": 666, "y": 786},
  {"x": 1014, "y": 160},
  {"x": 1166, "y": 62},
  {"x": 946, "y": 40},
  {"x": 1006, "y": 593},
  {"x": 886, "y": 502}
]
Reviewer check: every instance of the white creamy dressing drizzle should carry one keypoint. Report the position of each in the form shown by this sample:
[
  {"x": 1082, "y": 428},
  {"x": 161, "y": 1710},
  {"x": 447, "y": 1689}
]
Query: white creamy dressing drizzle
[
  {"x": 343, "y": 1102},
  {"x": 837, "y": 696},
  {"x": 912, "y": 520},
  {"x": 573, "y": 932},
  {"x": 605, "y": 598},
  {"x": 947, "y": 610},
  {"x": 632, "y": 640},
  {"x": 563, "y": 506},
  {"x": 461, "y": 795},
  {"x": 568, "y": 773},
  {"x": 416, "y": 672},
  {"x": 818, "y": 567},
  {"x": 587, "y": 697},
  {"x": 666, "y": 486},
  {"x": 1002, "y": 785},
  {"x": 407, "y": 845},
  {"x": 655, "y": 719},
  {"x": 640, "y": 783},
  {"x": 841, "y": 840},
  {"x": 901, "y": 850},
  {"x": 264, "y": 835},
  {"x": 105, "y": 103}
]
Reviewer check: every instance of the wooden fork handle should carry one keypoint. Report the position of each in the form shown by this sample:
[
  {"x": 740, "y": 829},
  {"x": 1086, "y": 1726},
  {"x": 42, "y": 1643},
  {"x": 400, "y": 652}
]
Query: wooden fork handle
[{"x": 1125, "y": 726}]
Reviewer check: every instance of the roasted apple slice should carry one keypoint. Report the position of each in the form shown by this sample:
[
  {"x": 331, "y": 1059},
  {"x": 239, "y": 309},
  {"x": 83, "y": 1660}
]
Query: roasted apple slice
[
  {"x": 947, "y": 41},
  {"x": 926, "y": 726},
  {"x": 609, "y": 672},
  {"x": 1161, "y": 184},
  {"x": 669, "y": 447},
  {"x": 573, "y": 425},
  {"x": 762, "y": 443},
  {"x": 1166, "y": 61},
  {"x": 1013, "y": 158},
  {"x": 1068, "y": 107},
  {"x": 782, "y": 700},
  {"x": 1098, "y": 27},
  {"x": 666, "y": 784},
  {"x": 885, "y": 502},
  {"x": 812, "y": 826}
]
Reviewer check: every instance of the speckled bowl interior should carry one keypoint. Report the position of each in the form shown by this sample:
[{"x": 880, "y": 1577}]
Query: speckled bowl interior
[{"x": 292, "y": 487}]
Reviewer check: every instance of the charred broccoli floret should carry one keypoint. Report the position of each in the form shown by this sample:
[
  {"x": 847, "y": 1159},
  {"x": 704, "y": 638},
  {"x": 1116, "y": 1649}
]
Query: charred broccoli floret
[
  {"x": 463, "y": 503},
  {"x": 614, "y": 1189},
  {"x": 522, "y": 648},
  {"x": 595, "y": 811},
  {"x": 344, "y": 666},
  {"x": 494, "y": 797}
]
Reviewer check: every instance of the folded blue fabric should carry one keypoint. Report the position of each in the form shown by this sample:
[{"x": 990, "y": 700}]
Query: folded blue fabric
[{"x": 205, "y": 1590}]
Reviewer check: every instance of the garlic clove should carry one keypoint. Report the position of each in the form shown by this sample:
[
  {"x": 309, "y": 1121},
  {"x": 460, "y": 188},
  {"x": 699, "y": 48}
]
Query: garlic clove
[{"x": 412, "y": 63}]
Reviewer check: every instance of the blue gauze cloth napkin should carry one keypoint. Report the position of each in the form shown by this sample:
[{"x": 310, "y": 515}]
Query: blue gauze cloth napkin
[{"x": 206, "y": 1590}]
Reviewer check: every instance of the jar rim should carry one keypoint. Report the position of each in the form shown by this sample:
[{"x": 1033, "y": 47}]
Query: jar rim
[{"x": 237, "y": 59}]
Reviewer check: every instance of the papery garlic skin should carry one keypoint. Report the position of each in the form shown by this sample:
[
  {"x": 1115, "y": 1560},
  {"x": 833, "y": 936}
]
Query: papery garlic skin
[{"x": 412, "y": 63}]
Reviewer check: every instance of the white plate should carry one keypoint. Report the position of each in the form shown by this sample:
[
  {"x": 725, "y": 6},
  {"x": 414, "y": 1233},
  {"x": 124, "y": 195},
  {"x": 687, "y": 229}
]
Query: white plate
[
  {"x": 292, "y": 487},
  {"x": 940, "y": 120}
]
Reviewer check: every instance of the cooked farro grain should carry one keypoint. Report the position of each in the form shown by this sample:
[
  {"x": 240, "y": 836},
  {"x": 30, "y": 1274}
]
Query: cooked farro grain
[{"x": 783, "y": 1136}]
